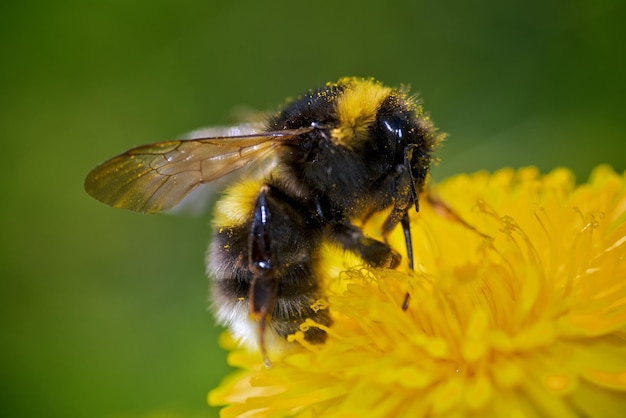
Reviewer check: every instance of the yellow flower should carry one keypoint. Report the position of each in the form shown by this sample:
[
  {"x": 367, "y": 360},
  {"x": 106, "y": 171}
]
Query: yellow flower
[{"x": 523, "y": 316}]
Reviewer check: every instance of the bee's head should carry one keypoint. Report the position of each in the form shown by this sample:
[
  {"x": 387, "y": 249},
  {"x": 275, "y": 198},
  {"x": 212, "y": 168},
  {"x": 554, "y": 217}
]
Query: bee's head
[{"x": 402, "y": 138}]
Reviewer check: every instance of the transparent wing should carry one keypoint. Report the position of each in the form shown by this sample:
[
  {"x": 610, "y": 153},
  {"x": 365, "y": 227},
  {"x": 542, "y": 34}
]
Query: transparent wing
[
  {"x": 244, "y": 129},
  {"x": 201, "y": 199},
  {"x": 156, "y": 177}
]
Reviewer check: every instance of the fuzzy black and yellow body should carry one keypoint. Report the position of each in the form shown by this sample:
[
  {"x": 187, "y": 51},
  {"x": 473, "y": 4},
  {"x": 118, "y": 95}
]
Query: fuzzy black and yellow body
[{"x": 335, "y": 155}]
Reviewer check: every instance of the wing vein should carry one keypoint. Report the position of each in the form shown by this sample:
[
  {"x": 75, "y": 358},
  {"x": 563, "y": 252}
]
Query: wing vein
[{"x": 156, "y": 177}]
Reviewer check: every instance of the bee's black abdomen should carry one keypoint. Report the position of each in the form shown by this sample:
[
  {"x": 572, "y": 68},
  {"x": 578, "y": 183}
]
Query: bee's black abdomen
[{"x": 294, "y": 243}]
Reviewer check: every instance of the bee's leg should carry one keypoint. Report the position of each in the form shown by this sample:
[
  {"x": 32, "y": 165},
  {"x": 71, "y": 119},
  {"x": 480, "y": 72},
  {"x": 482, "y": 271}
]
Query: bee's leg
[
  {"x": 376, "y": 253},
  {"x": 450, "y": 214},
  {"x": 401, "y": 216},
  {"x": 264, "y": 286},
  {"x": 406, "y": 227},
  {"x": 406, "y": 195}
]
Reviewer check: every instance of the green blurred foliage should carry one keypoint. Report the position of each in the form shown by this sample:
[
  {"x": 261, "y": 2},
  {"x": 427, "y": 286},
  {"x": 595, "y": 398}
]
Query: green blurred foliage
[{"x": 104, "y": 312}]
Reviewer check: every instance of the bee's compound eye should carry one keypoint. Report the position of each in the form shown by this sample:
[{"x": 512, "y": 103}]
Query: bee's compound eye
[
  {"x": 394, "y": 131},
  {"x": 395, "y": 126}
]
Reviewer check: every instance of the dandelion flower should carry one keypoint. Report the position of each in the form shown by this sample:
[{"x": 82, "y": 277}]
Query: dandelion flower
[{"x": 520, "y": 313}]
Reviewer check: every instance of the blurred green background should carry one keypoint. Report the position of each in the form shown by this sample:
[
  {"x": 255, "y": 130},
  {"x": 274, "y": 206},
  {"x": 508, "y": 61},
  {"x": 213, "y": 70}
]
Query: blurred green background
[{"x": 104, "y": 312}]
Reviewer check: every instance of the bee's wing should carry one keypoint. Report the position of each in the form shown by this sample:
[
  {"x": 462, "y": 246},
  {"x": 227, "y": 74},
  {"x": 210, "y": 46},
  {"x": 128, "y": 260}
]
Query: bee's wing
[
  {"x": 156, "y": 177},
  {"x": 243, "y": 129},
  {"x": 199, "y": 200}
]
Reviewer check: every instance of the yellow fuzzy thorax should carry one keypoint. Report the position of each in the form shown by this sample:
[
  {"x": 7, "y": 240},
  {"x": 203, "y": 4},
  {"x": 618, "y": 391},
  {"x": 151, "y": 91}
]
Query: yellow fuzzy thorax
[{"x": 356, "y": 108}]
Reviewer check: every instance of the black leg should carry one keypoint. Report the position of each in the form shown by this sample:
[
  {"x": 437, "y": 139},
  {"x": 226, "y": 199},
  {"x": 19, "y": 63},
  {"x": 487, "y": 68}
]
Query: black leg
[
  {"x": 262, "y": 265},
  {"x": 406, "y": 227},
  {"x": 450, "y": 214},
  {"x": 376, "y": 253}
]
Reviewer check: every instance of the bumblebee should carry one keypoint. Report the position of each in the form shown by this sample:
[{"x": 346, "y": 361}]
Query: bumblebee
[{"x": 330, "y": 158}]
